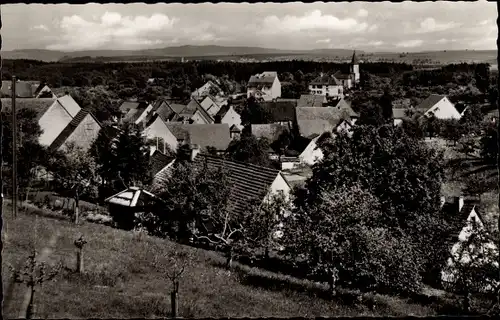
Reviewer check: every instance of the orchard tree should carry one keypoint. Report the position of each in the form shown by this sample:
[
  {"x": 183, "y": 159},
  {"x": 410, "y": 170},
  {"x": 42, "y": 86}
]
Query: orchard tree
[
  {"x": 345, "y": 239},
  {"x": 489, "y": 144},
  {"x": 75, "y": 172},
  {"x": 254, "y": 113},
  {"x": 403, "y": 173}
]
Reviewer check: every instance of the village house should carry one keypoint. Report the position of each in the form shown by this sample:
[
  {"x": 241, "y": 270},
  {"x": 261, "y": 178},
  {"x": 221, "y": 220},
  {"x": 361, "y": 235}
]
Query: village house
[
  {"x": 315, "y": 121},
  {"x": 195, "y": 113},
  {"x": 439, "y": 106},
  {"x": 265, "y": 86},
  {"x": 246, "y": 181},
  {"x": 53, "y": 115},
  {"x": 135, "y": 112},
  {"x": 326, "y": 85},
  {"x": 209, "y": 88},
  {"x": 212, "y": 105},
  {"x": 168, "y": 111},
  {"x": 80, "y": 132},
  {"x": 466, "y": 218},
  {"x": 312, "y": 153},
  {"x": 235, "y": 132},
  {"x": 311, "y": 100},
  {"x": 228, "y": 115},
  {"x": 158, "y": 131},
  {"x": 399, "y": 114},
  {"x": 217, "y": 136}
]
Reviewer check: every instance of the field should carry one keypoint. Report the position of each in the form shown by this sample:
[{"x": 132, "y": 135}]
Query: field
[{"x": 120, "y": 280}]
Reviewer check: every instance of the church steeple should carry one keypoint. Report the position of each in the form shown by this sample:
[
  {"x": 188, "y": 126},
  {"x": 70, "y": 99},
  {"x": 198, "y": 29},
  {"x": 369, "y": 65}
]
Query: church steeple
[{"x": 354, "y": 58}]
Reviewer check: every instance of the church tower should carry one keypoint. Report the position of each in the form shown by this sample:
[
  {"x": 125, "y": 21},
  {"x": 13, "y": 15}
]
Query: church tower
[{"x": 355, "y": 68}]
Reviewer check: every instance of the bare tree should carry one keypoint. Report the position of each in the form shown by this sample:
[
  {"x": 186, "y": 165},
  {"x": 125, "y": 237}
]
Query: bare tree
[
  {"x": 33, "y": 274},
  {"x": 173, "y": 265}
]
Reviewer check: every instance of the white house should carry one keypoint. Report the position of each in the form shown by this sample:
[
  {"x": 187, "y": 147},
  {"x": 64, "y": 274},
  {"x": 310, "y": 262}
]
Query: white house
[
  {"x": 327, "y": 85},
  {"x": 462, "y": 252},
  {"x": 158, "y": 130},
  {"x": 312, "y": 153},
  {"x": 439, "y": 106},
  {"x": 228, "y": 115},
  {"x": 264, "y": 86},
  {"x": 53, "y": 115}
]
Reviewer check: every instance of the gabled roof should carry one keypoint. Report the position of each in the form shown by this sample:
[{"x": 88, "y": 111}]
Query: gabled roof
[
  {"x": 458, "y": 218},
  {"x": 70, "y": 128},
  {"x": 399, "y": 113},
  {"x": 343, "y": 76},
  {"x": 343, "y": 104},
  {"x": 246, "y": 181},
  {"x": 319, "y": 120},
  {"x": 204, "y": 135},
  {"x": 223, "y": 110},
  {"x": 129, "y": 105},
  {"x": 326, "y": 80},
  {"x": 40, "y": 106},
  {"x": 177, "y": 108},
  {"x": 270, "y": 131},
  {"x": 234, "y": 128},
  {"x": 69, "y": 104},
  {"x": 36, "y": 87},
  {"x": 280, "y": 110},
  {"x": 264, "y": 79},
  {"x": 430, "y": 102},
  {"x": 191, "y": 109},
  {"x": 23, "y": 89},
  {"x": 311, "y": 100},
  {"x": 158, "y": 161}
]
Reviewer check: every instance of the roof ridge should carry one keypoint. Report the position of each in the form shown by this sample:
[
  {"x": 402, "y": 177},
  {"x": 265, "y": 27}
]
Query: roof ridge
[{"x": 239, "y": 162}]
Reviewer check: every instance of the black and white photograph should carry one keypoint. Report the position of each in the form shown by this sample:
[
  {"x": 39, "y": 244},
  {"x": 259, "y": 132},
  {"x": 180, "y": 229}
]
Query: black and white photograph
[{"x": 216, "y": 160}]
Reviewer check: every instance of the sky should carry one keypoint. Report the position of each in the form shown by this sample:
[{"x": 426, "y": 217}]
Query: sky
[{"x": 402, "y": 27}]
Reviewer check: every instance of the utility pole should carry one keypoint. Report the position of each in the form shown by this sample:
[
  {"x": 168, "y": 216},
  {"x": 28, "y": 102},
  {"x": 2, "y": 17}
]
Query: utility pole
[{"x": 14, "y": 148}]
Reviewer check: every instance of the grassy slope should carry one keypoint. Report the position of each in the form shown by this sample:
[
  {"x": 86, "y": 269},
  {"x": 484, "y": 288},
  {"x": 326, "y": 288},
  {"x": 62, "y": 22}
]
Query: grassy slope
[{"x": 120, "y": 281}]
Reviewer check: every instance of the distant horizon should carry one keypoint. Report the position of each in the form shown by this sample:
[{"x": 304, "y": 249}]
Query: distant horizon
[
  {"x": 364, "y": 26},
  {"x": 253, "y": 47}
]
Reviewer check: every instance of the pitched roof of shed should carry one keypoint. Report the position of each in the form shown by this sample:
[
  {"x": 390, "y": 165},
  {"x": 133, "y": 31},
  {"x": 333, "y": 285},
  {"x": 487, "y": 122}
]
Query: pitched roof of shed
[
  {"x": 40, "y": 105},
  {"x": 23, "y": 89},
  {"x": 70, "y": 128},
  {"x": 319, "y": 120},
  {"x": 280, "y": 110},
  {"x": 311, "y": 100},
  {"x": 430, "y": 101},
  {"x": 204, "y": 135},
  {"x": 399, "y": 113},
  {"x": 457, "y": 219},
  {"x": 270, "y": 131},
  {"x": 247, "y": 181},
  {"x": 194, "y": 106}
]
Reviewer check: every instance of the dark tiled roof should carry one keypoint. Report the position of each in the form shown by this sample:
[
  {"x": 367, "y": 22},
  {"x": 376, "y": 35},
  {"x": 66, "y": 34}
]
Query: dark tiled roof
[
  {"x": 311, "y": 100},
  {"x": 40, "y": 106},
  {"x": 264, "y": 79},
  {"x": 430, "y": 102},
  {"x": 204, "y": 135},
  {"x": 319, "y": 120},
  {"x": 134, "y": 114},
  {"x": 247, "y": 181},
  {"x": 70, "y": 128},
  {"x": 223, "y": 110},
  {"x": 343, "y": 76},
  {"x": 158, "y": 161},
  {"x": 326, "y": 80},
  {"x": 191, "y": 109},
  {"x": 343, "y": 104},
  {"x": 269, "y": 131},
  {"x": 177, "y": 108},
  {"x": 280, "y": 110},
  {"x": 129, "y": 105}
]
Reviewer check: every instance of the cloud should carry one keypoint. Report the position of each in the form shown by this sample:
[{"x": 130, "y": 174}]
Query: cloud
[
  {"x": 375, "y": 43},
  {"x": 323, "y": 41},
  {"x": 112, "y": 27},
  {"x": 362, "y": 13},
  {"x": 442, "y": 40},
  {"x": 313, "y": 20},
  {"x": 410, "y": 43},
  {"x": 40, "y": 27},
  {"x": 430, "y": 25}
]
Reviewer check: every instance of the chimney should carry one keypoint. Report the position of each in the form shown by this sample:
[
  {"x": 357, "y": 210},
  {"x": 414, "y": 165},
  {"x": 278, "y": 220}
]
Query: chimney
[{"x": 195, "y": 149}]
